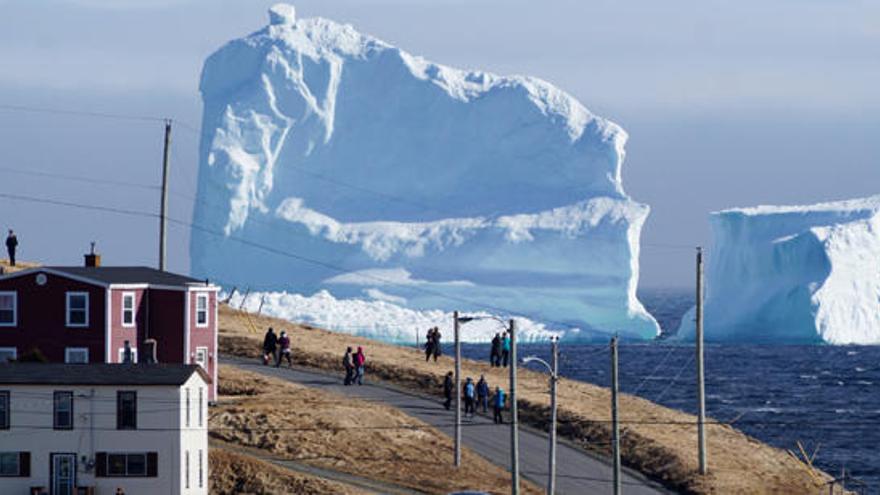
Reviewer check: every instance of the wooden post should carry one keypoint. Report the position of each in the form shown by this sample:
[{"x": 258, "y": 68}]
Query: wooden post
[
  {"x": 615, "y": 426},
  {"x": 701, "y": 384},
  {"x": 514, "y": 421},
  {"x": 163, "y": 220}
]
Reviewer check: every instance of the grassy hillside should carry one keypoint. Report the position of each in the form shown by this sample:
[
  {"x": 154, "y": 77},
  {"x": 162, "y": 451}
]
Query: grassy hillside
[{"x": 657, "y": 441}]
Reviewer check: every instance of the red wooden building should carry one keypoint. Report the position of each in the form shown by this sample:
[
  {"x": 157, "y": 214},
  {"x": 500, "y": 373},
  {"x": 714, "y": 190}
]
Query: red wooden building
[{"x": 88, "y": 313}]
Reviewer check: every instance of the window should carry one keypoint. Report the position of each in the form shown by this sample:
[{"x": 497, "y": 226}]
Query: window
[
  {"x": 15, "y": 464},
  {"x": 186, "y": 470},
  {"x": 4, "y": 410},
  {"x": 126, "y": 410},
  {"x": 201, "y": 406},
  {"x": 76, "y": 355},
  {"x": 77, "y": 309},
  {"x": 201, "y": 470},
  {"x": 8, "y": 354},
  {"x": 128, "y": 309},
  {"x": 63, "y": 411},
  {"x": 201, "y": 310},
  {"x": 202, "y": 357},
  {"x": 134, "y": 355},
  {"x": 124, "y": 465},
  {"x": 8, "y": 309},
  {"x": 187, "y": 408}
]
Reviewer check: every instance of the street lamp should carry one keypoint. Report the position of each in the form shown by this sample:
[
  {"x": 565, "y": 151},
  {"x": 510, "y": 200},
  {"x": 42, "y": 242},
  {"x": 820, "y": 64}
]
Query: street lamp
[
  {"x": 554, "y": 379},
  {"x": 514, "y": 422}
]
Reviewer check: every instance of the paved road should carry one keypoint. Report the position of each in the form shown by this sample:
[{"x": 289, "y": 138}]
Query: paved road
[{"x": 577, "y": 472}]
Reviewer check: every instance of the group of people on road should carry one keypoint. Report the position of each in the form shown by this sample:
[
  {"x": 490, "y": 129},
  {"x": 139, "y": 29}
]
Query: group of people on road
[
  {"x": 11, "y": 246},
  {"x": 432, "y": 344},
  {"x": 475, "y": 395},
  {"x": 500, "y": 352},
  {"x": 354, "y": 366},
  {"x": 276, "y": 348}
]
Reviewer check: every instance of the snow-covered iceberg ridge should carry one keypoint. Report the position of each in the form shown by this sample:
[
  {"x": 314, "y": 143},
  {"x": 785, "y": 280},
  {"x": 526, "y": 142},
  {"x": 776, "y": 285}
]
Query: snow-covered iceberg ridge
[
  {"x": 377, "y": 318},
  {"x": 368, "y": 170},
  {"x": 794, "y": 274}
]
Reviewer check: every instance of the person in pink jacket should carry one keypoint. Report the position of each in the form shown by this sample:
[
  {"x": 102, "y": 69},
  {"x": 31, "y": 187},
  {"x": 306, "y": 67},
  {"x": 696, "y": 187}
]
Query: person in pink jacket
[{"x": 359, "y": 361}]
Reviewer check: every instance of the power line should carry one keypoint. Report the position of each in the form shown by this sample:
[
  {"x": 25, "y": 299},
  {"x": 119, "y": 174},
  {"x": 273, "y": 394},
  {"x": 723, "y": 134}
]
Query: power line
[
  {"x": 81, "y": 113},
  {"x": 53, "y": 175}
]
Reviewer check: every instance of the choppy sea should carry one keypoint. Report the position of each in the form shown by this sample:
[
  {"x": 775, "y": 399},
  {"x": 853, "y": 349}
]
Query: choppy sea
[{"x": 825, "y": 397}]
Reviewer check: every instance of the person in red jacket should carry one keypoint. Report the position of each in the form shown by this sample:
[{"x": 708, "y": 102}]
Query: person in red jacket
[{"x": 359, "y": 361}]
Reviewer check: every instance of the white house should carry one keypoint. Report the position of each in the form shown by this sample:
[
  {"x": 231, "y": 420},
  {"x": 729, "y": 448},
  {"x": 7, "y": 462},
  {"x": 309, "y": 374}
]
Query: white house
[{"x": 93, "y": 428}]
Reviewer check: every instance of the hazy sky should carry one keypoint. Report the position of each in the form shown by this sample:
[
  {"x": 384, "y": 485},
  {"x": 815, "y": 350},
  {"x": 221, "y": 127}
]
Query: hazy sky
[{"x": 727, "y": 103}]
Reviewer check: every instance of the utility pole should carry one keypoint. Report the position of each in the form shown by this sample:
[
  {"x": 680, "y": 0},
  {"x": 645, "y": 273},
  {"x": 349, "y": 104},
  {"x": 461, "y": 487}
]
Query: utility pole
[
  {"x": 701, "y": 384},
  {"x": 615, "y": 427},
  {"x": 163, "y": 221},
  {"x": 514, "y": 422},
  {"x": 554, "y": 379},
  {"x": 457, "y": 390}
]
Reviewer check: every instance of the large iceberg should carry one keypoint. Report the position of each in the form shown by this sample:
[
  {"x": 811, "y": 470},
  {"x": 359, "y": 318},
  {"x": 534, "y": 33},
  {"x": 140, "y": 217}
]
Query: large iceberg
[
  {"x": 331, "y": 160},
  {"x": 794, "y": 274}
]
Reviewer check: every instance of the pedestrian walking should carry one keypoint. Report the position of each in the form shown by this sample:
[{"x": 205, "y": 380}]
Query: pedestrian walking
[
  {"x": 447, "y": 390},
  {"x": 284, "y": 350},
  {"x": 348, "y": 364},
  {"x": 498, "y": 406},
  {"x": 483, "y": 394},
  {"x": 470, "y": 396},
  {"x": 11, "y": 246},
  {"x": 505, "y": 349},
  {"x": 429, "y": 344},
  {"x": 495, "y": 354},
  {"x": 437, "y": 350},
  {"x": 360, "y": 362},
  {"x": 270, "y": 347}
]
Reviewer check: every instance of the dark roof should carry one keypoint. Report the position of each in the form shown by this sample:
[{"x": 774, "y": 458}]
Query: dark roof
[
  {"x": 127, "y": 275},
  {"x": 97, "y": 374}
]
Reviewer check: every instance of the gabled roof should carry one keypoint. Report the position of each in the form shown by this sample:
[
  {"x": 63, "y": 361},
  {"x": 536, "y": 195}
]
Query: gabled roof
[
  {"x": 127, "y": 275},
  {"x": 117, "y": 275},
  {"x": 98, "y": 374}
]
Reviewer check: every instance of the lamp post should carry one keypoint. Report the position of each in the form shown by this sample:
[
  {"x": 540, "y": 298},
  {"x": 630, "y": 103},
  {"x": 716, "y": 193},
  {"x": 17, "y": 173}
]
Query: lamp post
[
  {"x": 554, "y": 379},
  {"x": 514, "y": 423}
]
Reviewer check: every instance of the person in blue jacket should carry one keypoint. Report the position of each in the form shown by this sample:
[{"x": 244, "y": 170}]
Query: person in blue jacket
[
  {"x": 498, "y": 406},
  {"x": 505, "y": 349}
]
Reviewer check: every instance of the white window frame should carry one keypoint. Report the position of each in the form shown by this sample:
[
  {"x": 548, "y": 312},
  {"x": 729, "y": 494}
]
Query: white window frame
[
  {"x": 134, "y": 355},
  {"x": 67, "y": 352},
  {"x": 133, "y": 297},
  {"x": 67, "y": 310},
  {"x": 13, "y": 350},
  {"x": 199, "y": 297},
  {"x": 14, "y": 295}
]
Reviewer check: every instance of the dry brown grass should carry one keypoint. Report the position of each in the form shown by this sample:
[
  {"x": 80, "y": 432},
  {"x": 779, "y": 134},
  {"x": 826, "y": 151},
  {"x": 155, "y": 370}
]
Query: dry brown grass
[
  {"x": 19, "y": 266},
  {"x": 330, "y": 431},
  {"x": 657, "y": 441},
  {"x": 233, "y": 473}
]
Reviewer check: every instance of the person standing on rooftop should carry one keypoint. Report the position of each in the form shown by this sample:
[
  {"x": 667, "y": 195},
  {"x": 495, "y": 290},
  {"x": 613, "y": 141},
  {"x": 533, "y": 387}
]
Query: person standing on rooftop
[{"x": 11, "y": 246}]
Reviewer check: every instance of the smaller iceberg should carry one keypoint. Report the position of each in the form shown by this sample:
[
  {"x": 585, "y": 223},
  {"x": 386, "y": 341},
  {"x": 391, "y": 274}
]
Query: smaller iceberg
[{"x": 793, "y": 274}]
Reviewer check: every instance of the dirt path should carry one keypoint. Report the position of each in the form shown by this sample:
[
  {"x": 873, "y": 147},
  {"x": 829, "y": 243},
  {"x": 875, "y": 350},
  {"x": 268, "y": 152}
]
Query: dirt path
[{"x": 577, "y": 472}]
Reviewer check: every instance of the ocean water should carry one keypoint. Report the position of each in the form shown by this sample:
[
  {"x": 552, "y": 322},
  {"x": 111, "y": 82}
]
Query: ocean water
[{"x": 825, "y": 397}]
